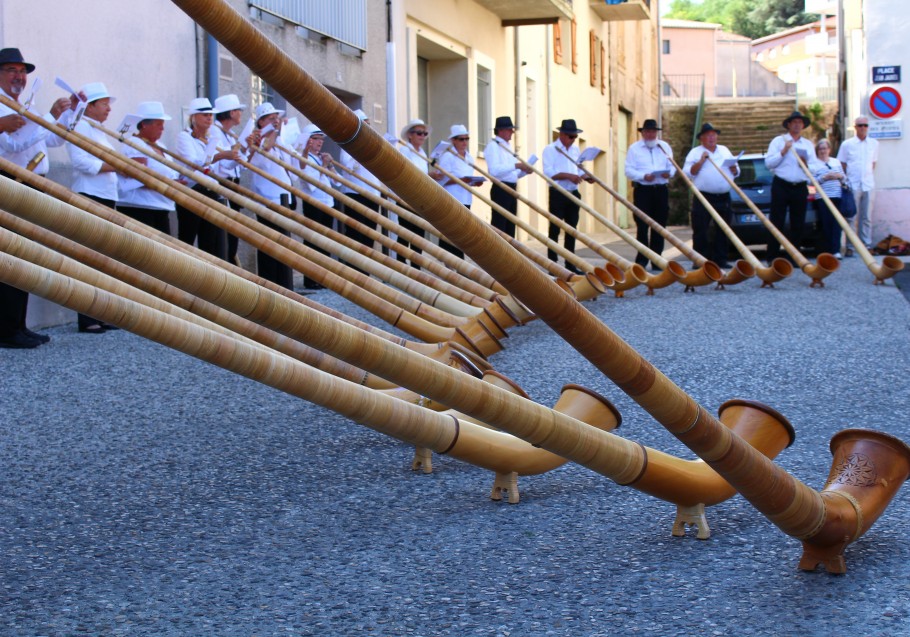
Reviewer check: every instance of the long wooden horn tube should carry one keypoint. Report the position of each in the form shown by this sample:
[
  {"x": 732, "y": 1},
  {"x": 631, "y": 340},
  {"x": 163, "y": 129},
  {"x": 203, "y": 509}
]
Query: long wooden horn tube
[
  {"x": 276, "y": 245},
  {"x": 467, "y": 269},
  {"x": 626, "y": 462},
  {"x": 779, "y": 268},
  {"x": 881, "y": 271},
  {"x": 705, "y": 273},
  {"x": 791, "y": 505},
  {"x": 825, "y": 264},
  {"x": 381, "y": 187}
]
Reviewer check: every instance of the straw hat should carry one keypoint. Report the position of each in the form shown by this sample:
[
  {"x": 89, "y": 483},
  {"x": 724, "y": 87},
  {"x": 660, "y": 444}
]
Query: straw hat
[
  {"x": 458, "y": 130},
  {"x": 200, "y": 105},
  {"x": 412, "y": 124},
  {"x": 308, "y": 131},
  {"x": 96, "y": 91},
  {"x": 151, "y": 110},
  {"x": 265, "y": 109},
  {"x": 229, "y": 102}
]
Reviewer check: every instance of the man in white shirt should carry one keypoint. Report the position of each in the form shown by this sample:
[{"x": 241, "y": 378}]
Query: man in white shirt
[
  {"x": 224, "y": 148},
  {"x": 858, "y": 155},
  {"x": 649, "y": 167},
  {"x": 24, "y": 144},
  {"x": 789, "y": 188},
  {"x": 565, "y": 172},
  {"x": 700, "y": 166},
  {"x": 501, "y": 163},
  {"x": 359, "y": 176}
]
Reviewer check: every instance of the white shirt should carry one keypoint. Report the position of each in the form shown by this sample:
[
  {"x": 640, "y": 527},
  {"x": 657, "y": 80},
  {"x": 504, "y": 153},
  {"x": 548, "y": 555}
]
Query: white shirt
[
  {"x": 87, "y": 178},
  {"x": 500, "y": 162},
  {"x": 709, "y": 179},
  {"x": 786, "y": 167},
  {"x": 192, "y": 149},
  {"x": 23, "y": 145},
  {"x": 642, "y": 161},
  {"x": 416, "y": 157},
  {"x": 354, "y": 166},
  {"x": 133, "y": 193},
  {"x": 263, "y": 186},
  {"x": 555, "y": 162},
  {"x": 452, "y": 164},
  {"x": 311, "y": 189},
  {"x": 221, "y": 140},
  {"x": 860, "y": 157}
]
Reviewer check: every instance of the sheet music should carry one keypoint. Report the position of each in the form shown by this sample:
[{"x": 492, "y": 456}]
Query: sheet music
[
  {"x": 733, "y": 161},
  {"x": 588, "y": 154}
]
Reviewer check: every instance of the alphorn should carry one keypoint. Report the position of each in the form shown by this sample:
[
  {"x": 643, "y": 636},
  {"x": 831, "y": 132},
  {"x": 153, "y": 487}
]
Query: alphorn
[
  {"x": 482, "y": 341},
  {"x": 778, "y": 270},
  {"x": 685, "y": 483},
  {"x": 671, "y": 271},
  {"x": 632, "y": 273},
  {"x": 609, "y": 276},
  {"x": 825, "y": 264},
  {"x": 706, "y": 271},
  {"x": 584, "y": 287},
  {"x": 889, "y": 266},
  {"x": 825, "y": 522}
]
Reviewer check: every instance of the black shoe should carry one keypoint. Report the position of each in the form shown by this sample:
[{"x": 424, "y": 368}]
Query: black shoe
[
  {"x": 19, "y": 340},
  {"x": 312, "y": 286},
  {"x": 44, "y": 338},
  {"x": 109, "y": 328},
  {"x": 92, "y": 328},
  {"x": 724, "y": 265},
  {"x": 571, "y": 268}
]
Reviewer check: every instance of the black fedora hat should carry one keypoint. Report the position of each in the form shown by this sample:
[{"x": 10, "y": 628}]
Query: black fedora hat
[
  {"x": 706, "y": 128},
  {"x": 650, "y": 124},
  {"x": 503, "y": 122},
  {"x": 568, "y": 126},
  {"x": 796, "y": 115},
  {"x": 13, "y": 56}
]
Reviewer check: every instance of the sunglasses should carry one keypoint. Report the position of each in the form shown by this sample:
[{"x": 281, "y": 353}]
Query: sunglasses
[
  {"x": 572, "y": 136},
  {"x": 461, "y": 139},
  {"x": 421, "y": 133},
  {"x": 862, "y": 125}
]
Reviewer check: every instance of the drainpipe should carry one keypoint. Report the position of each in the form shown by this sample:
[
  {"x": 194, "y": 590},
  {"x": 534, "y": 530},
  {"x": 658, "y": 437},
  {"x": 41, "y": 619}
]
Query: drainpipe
[
  {"x": 660, "y": 73},
  {"x": 391, "y": 84},
  {"x": 212, "y": 68}
]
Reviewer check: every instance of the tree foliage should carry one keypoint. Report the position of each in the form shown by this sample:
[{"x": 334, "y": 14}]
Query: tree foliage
[{"x": 751, "y": 18}]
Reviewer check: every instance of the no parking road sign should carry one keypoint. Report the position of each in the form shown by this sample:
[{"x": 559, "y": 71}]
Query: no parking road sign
[{"x": 885, "y": 102}]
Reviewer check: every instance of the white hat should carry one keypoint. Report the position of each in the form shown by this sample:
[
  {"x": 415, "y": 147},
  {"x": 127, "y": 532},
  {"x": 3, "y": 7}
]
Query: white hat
[
  {"x": 308, "y": 131},
  {"x": 361, "y": 115},
  {"x": 200, "y": 105},
  {"x": 458, "y": 130},
  {"x": 410, "y": 125},
  {"x": 265, "y": 109},
  {"x": 151, "y": 110},
  {"x": 229, "y": 102},
  {"x": 96, "y": 91}
]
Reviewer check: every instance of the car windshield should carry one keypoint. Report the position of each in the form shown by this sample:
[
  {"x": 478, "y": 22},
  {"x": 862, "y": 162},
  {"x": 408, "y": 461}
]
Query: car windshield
[{"x": 753, "y": 171}]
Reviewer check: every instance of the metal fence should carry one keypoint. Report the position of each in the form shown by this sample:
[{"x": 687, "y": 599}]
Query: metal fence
[{"x": 342, "y": 20}]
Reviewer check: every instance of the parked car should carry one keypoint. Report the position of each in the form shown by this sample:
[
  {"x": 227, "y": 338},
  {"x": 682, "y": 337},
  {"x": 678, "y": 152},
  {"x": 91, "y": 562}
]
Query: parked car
[{"x": 755, "y": 181}]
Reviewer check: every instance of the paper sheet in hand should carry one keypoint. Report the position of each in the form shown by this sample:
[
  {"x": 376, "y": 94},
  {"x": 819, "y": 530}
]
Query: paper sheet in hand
[
  {"x": 440, "y": 149},
  {"x": 475, "y": 180},
  {"x": 127, "y": 124},
  {"x": 588, "y": 154},
  {"x": 660, "y": 174},
  {"x": 66, "y": 87},
  {"x": 290, "y": 131},
  {"x": 803, "y": 155},
  {"x": 35, "y": 86},
  {"x": 733, "y": 161},
  {"x": 531, "y": 161}
]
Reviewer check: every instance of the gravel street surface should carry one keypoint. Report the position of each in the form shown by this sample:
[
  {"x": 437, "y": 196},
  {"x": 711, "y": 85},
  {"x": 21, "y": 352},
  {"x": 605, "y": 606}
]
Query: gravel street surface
[{"x": 143, "y": 492}]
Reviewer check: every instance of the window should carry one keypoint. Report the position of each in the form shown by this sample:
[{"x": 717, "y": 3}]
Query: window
[
  {"x": 262, "y": 92},
  {"x": 666, "y": 47},
  {"x": 342, "y": 20},
  {"x": 557, "y": 43}
]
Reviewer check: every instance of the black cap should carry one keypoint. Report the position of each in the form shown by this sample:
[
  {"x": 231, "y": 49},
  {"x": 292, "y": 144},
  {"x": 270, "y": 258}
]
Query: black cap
[
  {"x": 503, "y": 122},
  {"x": 650, "y": 124},
  {"x": 13, "y": 56},
  {"x": 796, "y": 115},
  {"x": 706, "y": 128},
  {"x": 568, "y": 126}
]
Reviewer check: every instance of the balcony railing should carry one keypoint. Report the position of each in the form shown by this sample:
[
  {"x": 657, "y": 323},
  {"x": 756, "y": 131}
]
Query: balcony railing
[
  {"x": 342, "y": 20},
  {"x": 614, "y": 10},
  {"x": 521, "y": 12}
]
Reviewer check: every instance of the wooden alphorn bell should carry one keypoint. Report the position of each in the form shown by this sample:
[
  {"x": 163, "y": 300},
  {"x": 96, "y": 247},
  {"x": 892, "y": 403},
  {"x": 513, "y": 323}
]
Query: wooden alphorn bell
[
  {"x": 778, "y": 270},
  {"x": 825, "y": 524},
  {"x": 889, "y": 266},
  {"x": 825, "y": 263}
]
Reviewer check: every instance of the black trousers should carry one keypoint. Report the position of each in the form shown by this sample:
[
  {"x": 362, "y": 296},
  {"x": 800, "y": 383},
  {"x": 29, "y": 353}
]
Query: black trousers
[
  {"x": 407, "y": 225},
  {"x": 567, "y": 210},
  {"x": 322, "y": 218},
  {"x": 715, "y": 250},
  {"x": 268, "y": 267},
  {"x": 13, "y": 303},
  {"x": 233, "y": 242},
  {"x": 792, "y": 197},
  {"x": 157, "y": 219},
  {"x": 83, "y": 320},
  {"x": 356, "y": 235},
  {"x": 655, "y": 202},
  {"x": 507, "y": 201},
  {"x": 450, "y": 247},
  {"x": 192, "y": 228}
]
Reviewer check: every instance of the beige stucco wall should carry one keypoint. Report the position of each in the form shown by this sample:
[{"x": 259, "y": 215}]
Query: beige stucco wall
[{"x": 692, "y": 52}]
